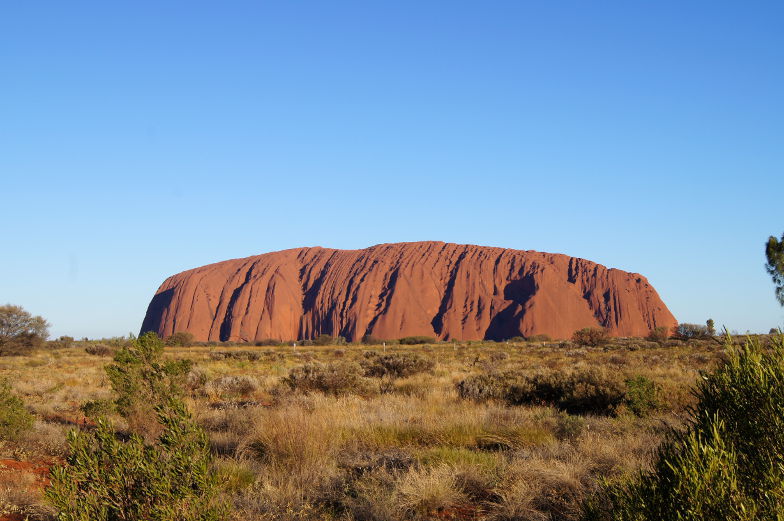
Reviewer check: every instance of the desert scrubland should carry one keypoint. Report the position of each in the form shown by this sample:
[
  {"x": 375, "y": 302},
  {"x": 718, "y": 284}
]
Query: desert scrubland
[{"x": 477, "y": 430}]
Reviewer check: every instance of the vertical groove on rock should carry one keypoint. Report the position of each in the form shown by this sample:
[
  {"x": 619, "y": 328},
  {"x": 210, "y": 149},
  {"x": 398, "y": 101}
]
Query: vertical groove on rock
[{"x": 225, "y": 330}]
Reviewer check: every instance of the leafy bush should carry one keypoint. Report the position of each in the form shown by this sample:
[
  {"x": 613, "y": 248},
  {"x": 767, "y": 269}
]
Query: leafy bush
[
  {"x": 142, "y": 381},
  {"x": 14, "y": 418},
  {"x": 416, "y": 340},
  {"x": 251, "y": 356},
  {"x": 482, "y": 387},
  {"x": 335, "y": 378},
  {"x": 95, "y": 409},
  {"x": 539, "y": 338},
  {"x": 591, "y": 336},
  {"x": 581, "y": 392},
  {"x": 642, "y": 395},
  {"x": 236, "y": 384},
  {"x": 328, "y": 340},
  {"x": 395, "y": 365},
  {"x": 729, "y": 462},
  {"x": 659, "y": 334},
  {"x": 99, "y": 350},
  {"x": 106, "y": 478},
  {"x": 180, "y": 339}
]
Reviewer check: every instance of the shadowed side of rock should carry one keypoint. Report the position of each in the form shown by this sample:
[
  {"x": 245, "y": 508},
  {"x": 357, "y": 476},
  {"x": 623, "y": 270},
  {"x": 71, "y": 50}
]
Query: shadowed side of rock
[{"x": 447, "y": 291}]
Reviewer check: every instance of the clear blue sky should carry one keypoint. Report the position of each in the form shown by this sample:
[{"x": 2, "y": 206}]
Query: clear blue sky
[{"x": 140, "y": 139}]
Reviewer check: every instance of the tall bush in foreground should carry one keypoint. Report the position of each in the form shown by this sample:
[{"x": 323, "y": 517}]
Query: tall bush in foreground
[
  {"x": 106, "y": 478},
  {"x": 729, "y": 463},
  {"x": 142, "y": 380},
  {"x": 161, "y": 471}
]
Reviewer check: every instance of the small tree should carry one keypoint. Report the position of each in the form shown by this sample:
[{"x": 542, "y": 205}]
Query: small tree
[
  {"x": 20, "y": 331},
  {"x": 142, "y": 381},
  {"x": 774, "y": 251},
  {"x": 711, "y": 327},
  {"x": 659, "y": 334},
  {"x": 688, "y": 331}
]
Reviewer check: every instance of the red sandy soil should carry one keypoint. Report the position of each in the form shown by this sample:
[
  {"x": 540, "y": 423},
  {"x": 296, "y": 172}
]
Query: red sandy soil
[{"x": 10, "y": 469}]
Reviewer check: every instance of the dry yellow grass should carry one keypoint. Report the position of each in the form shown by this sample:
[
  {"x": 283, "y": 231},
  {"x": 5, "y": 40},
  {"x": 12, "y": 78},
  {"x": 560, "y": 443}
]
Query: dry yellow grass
[{"x": 409, "y": 449}]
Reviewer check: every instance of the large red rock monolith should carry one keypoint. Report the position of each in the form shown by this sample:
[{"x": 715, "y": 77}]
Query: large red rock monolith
[{"x": 447, "y": 291}]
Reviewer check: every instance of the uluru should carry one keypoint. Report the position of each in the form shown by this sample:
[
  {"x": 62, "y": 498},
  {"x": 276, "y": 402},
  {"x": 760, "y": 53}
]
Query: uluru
[{"x": 442, "y": 290}]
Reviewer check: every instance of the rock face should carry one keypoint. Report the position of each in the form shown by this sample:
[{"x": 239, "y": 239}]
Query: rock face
[{"x": 447, "y": 291}]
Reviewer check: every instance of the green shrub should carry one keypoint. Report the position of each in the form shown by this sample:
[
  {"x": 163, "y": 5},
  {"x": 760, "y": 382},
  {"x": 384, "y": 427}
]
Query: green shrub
[
  {"x": 106, "y": 479},
  {"x": 539, "y": 338},
  {"x": 710, "y": 327},
  {"x": 642, "y": 395},
  {"x": 395, "y": 365},
  {"x": 659, "y": 334},
  {"x": 240, "y": 385},
  {"x": 569, "y": 427},
  {"x": 591, "y": 336},
  {"x": 482, "y": 387},
  {"x": 180, "y": 339},
  {"x": 581, "y": 392},
  {"x": 588, "y": 391},
  {"x": 99, "y": 350},
  {"x": 142, "y": 381},
  {"x": 729, "y": 463},
  {"x": 251, "y": 356},
  {"x": 14, "y": 418},
  {"x": 95, "y": 409},
  {"x": 334, "y": 378},
  {"x": 416, "y": 340},
  {"x": 326, "y": 340}
]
